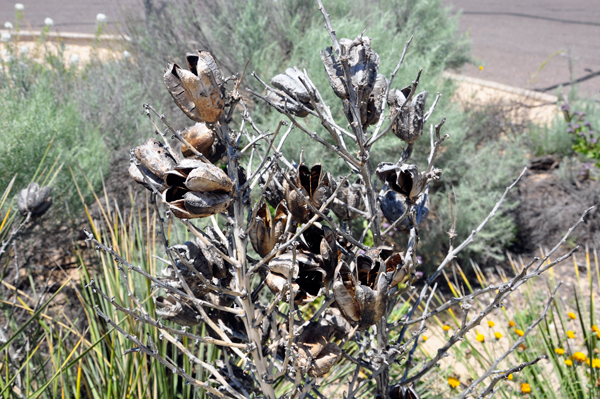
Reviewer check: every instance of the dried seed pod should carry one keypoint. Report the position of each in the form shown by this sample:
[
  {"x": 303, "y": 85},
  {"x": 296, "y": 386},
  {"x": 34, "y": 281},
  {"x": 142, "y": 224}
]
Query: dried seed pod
[
  {"x": 400, "y": 392},
  {"x": 306, "y": 273},
  {"x": 393, "y": 206},
  {"x": 320, "y": 240},
  {"x": 206, "y": 204},
  {"x": 154, "y": 157},
  {"x": 405, "y": 179},
  {"x": 276, "y": 282},
  {"x": 200, "y": 137},
  {"x": 363, "y": 64},
  {"x": 197, "y": 91},
  {"x": 409, "y": 123},
  {"x": 350, "y": 194},
  {"x": 289, "y": 104},
  {"x": 290, "y": 83},
  {"x": 176, "y": 310},
  {"x": 266, "y": 232},
  {"x": 375, "y": 101},
  {"x": 274, "y": 192},
  {"x": 208, "y": 177},
  {"x": 314, "y": 184},
  {"x": 137, "y": 173},
  {"x": 34, "y": 200},
  {"x": 344, "y": 292},
  {"x": 330, "y": 354}
]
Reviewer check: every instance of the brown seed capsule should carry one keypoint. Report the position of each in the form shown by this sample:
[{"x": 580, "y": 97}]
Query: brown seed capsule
[
  {"x": 34, "y": 199},
  {"x": 405, "y": 179},
  {"x": 206, "y": 204},
  {"x": 314, "y": 184},
  {"x": 344, "y": 291},
  {"x": 409, "y": 122},
  {"x": 137, "y": 173},
  {"x": 197, "y": 91},
  {"x": 330, "y": 354},
  {"x": 292, "y": 86},
  {"x": 208, "y": 177},
  {"x": 266, "y": 232},
  {"x": 154, "y": 157},
  {"x": 287, "y": 104},
  {"x": 349, "y": 194},
  {"x": 200, "y": 137},
  {"x": 375, "y": 102},
  {"x": 176, "y": 310}
]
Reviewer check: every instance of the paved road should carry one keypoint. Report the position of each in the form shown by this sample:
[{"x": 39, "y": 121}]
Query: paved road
[{"x": 511, "y": 39}]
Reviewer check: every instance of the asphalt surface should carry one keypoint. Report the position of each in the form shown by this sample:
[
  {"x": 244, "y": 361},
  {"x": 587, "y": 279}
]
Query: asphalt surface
[{"x": 535, "y": 44}]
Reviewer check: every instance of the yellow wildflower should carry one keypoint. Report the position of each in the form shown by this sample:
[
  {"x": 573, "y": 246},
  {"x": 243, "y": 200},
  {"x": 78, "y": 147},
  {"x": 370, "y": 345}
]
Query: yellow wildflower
[
  {"x": 510, "y": 377},
  {"x": 491, "y": 323},
  {"x": 481, "y": 67},
  {"x": 520, "y": 333},
  {"x": 453, "y": 382},
  {"x": 570, "y": 334},
  {"x": 446, "y": 328},
  {"x": 596, "y": 363},
  {"x": 568, "y": 362},
  {"x": 425, "y": 338},
  {"x": 497, "y": 335},
  {"x": 595, "y": 329},
  {"x": 479, "y": 337},
  {"x": 525, "y": 388},
  {"x": 579, "y": 356},
  {"x": 559, "y": 351},
  {"x": 511, "y": 323},
  {"x": 571, "y": 315}
]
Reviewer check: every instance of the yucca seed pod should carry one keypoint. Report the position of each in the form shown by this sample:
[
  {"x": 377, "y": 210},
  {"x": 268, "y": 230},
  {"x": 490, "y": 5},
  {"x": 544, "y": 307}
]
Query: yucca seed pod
[
  {"x": 363, "y": 63},
  {"x": 176, "y": 310},
  {"x": 137, "y": 173},
  {"x": 350, "y": 194},
  {"x": 285, "y": 103},
  {"x": 207, "y": 203},
  {"x": 197, "y": 91},
  {"x": 155, "y": 157},
  {"x": 344, "y": 292},
  {"x": 306, "y": 273},
  {"x": 266, "y": 232},
  {"x": 400, "y": 392},
  {"x": 289, "y": 82},
  {"x": 208, "y": 177},
  {"x": 274, "y": 193},
  {"x": 320, "y": 240},
  {"x": 312, "y": 183},
  {"x": 200, "y": 137},
  {"x": 405, "y": 180},
  {"x": 173, "y": 198},
  {"x": 375, "y": 101},
  {"x": 34, "y": 200},
  {"x": 329, "y": 356},
  {"x": 393, "y": 206},
  {"x": 409, "y": 123},
  {"x": 276, "y": 282}
]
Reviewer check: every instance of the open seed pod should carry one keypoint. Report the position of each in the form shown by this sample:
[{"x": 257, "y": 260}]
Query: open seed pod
[
  {"x": 266, "y": 232},
  {"x": 197, "y": 91},
  {"x": 362, "y": 298},
  {"x": 375, "y": 101},
  {"x": 176, "y": 310},
  {"x": 363, "y": 64},
  {"x": 314, "y": 351},
  {"x": 34, "y": 199},
  {"x": 289, "y": 82},
  {"x": 350, "y": 194},
  {"x": 405, "y": 180},
  {"x": 208, "y": 177},
  {"x": 306, "y": 274},
  {"x": 320, "y": 240},
  {"x": 139, "y": 173},
  {"x": 314, "y": 184},
  {"x": 274, "y": 191},
  {"x": 153, "y": 156},
  {"x": 200, "y": 137},
  {"x": 400, "y": 392},
  {"x": 409, "y": 123},
  {"x": 186, "y": 204},
  {"x": 284, "y": 103}
]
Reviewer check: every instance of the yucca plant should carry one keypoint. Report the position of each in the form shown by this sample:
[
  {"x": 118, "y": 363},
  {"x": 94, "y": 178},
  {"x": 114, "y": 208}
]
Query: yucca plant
[{"x": 318, "y": 306}]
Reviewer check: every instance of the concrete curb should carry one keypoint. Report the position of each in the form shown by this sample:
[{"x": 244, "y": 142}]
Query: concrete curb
[{"x": 534, "y": 95}]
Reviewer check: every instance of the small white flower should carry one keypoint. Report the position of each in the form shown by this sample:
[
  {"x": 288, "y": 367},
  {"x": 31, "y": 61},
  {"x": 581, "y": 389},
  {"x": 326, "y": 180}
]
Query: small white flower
[
  {"x": 5, "y": 36},
  {"x": 23, "y": 49},
  {"x": 74, "y": 59},
  {"x": 101, "y": 18},
  {"x": 126, "y": 54},
  {"x": 8, "y": 25},
  {"x": 48, "y": 22},
  {"x": 19, "y": 7}
]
